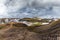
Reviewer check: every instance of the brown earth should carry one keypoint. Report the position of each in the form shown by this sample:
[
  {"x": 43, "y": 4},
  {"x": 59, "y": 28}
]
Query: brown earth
[
  {"x": 14, "y": 32},
  {"x": 20, "y": 32}
]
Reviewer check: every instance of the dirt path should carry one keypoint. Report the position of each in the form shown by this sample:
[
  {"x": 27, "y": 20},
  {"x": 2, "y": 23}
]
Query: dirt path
[{"x": 4, "y": 29}]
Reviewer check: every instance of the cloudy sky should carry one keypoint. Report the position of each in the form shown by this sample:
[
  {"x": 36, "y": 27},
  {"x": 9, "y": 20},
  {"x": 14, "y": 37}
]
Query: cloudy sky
[{"x": 29, "y": 8}]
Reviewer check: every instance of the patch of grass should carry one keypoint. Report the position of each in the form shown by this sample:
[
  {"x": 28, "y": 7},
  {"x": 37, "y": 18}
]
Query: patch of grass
[
  {"x": 30, "y": 28},
  {"x": 19, "y": 25},
  {"x": 34, "y": 25},
  {"x": 1, "y": 27}
]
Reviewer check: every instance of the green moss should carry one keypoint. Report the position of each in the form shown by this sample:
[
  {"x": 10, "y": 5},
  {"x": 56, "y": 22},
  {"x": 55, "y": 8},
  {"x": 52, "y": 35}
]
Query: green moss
[
  {"x": 34, "y": 25},
  {"x": 1, "y": 27}
]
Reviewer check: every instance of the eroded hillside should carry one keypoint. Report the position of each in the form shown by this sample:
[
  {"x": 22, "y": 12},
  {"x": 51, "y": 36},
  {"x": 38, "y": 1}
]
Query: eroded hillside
[{"x": 21, "y": 31}]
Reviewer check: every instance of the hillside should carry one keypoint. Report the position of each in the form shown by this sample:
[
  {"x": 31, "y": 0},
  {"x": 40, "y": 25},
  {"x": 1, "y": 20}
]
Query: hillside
[
  {"x": 51, "y": 28},
  {"x": 20, "y": 31}
]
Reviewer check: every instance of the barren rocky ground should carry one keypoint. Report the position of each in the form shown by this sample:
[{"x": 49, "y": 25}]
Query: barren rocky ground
[{"x": 18, "y": 33}]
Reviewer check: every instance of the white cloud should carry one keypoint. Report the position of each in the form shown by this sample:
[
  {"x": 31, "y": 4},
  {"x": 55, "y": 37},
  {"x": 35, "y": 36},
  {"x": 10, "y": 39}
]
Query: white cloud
[
  {"x": 3, "y": 11},
  {"x": 10, "y": 8},
  {"x": 15, "y": 5}
]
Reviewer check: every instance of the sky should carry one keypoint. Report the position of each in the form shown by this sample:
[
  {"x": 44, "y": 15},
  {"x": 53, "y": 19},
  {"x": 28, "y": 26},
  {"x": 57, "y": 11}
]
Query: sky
[{"x": 29, "y": 8}]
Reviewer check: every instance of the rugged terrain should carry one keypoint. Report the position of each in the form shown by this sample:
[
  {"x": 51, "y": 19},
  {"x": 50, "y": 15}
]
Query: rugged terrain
[{"x": 19, "y": 31}]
